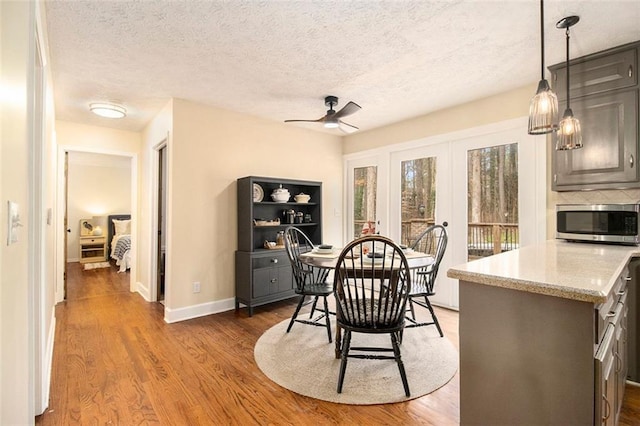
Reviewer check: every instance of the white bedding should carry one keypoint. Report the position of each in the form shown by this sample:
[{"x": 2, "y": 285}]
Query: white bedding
[{"x": 121, "y": 251}]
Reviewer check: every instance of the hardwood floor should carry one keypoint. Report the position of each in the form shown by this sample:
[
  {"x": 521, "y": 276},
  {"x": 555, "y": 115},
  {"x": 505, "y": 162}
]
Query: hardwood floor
[{"x": 117, "y": 362}]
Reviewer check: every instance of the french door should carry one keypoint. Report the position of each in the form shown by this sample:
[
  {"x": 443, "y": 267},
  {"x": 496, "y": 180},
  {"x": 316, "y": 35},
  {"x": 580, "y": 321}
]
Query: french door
[
  {"x": 501, "y": 183},
  {"x": 430, "y": 181},
  {"x": 420, "y": 192}
]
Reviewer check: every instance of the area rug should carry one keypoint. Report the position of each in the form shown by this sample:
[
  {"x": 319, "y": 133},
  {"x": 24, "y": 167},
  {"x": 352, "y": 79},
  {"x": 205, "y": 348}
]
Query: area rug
[
  {"x": 98, "y": 265},
  {"x": 303, "y": 361}
]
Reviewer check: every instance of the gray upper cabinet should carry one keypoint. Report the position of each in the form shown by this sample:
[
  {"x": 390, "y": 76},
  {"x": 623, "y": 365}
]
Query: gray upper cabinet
[
  {"x": 604, "y": 97},
  {"x": 601, "y": 72},
  {"x": 609, "y": 137}
]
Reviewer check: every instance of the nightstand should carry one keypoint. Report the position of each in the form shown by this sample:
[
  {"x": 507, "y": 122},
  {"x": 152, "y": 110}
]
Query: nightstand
[{"x": 93, "y": 249}]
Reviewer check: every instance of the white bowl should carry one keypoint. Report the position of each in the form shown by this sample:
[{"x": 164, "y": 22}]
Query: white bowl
[
  {"x": 324, "y": 250},
  {"x": 281, "y": 197},
  {"x": 302, "y": 198}
]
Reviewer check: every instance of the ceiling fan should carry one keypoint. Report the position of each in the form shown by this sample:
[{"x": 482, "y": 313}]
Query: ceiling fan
[{"x": 333, "y": 119}]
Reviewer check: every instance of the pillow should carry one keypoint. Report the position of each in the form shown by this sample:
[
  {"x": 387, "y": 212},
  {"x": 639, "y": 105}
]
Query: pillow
[{"x": 122, "y": 226}]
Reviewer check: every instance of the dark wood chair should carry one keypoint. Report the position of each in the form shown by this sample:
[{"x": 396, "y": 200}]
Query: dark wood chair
[
  {"x": 310, "y": 281},
  {"x": 371, "y": 297},
  {"x": 432, "y": 241}
]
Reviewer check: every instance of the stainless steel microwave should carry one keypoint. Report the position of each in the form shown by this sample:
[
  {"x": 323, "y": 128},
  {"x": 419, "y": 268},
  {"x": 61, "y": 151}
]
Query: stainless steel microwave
[{"x": 605, "y": 223}]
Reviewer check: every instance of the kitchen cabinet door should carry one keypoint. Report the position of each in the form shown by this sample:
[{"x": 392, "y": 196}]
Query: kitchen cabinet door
[
  {"x": 609, "y": 70},
  {"x": 608, "y": 157}
]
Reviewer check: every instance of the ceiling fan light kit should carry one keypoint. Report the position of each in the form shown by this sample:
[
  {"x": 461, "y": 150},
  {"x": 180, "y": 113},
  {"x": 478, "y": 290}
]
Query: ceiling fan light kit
[
  {"x": 543, "y": 108},
  {"x": 569, "y": 132},
  {"x": 333, "y": 119},
  {"x": 108, "y": 110}
]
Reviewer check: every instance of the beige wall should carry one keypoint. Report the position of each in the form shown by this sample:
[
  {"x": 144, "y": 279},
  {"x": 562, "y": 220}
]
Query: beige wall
[
  {"x": 84, "y": 137},
  {"x": 210, "y": 148},
  {"x": 16, "y": 349},
  {"x": 501, "y": 107}
]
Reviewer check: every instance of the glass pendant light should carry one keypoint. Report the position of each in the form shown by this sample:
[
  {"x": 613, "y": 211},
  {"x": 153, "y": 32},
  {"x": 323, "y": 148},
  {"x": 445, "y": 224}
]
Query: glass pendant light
[
  {"x": 569, "y": 133},
  {"x": 543, "y": 108}
]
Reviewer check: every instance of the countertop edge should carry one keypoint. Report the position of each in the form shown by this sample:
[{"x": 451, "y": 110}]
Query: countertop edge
[
  {"x": 495, "y": 270},
  {"x": 528, "y": 286}
]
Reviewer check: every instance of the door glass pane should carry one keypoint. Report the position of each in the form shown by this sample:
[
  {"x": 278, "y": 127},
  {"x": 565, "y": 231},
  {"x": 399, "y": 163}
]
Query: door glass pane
[
  {"x": 365, "y": 183},
  {"x": 492, "y": 184},
  {"x": 418, "y": 186}
]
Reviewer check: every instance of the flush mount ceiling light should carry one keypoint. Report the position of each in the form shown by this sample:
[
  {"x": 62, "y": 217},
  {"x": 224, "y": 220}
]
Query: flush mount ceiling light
[
  {"x": 543, "y": 108},
  {"x": 108, "y": 110},
  {"x": 569, "y": 133}
]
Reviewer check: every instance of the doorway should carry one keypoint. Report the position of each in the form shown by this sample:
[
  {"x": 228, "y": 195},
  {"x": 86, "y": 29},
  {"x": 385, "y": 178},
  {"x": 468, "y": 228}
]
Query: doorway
[
  {"x": 97, "y": 203},
  {"x": 161, "y": 252}
]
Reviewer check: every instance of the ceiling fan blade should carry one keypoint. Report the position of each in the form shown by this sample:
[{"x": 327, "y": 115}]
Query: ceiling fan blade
[
  {"x": 319, "y": 120},
  {"x": 347, "y": 128},
  {"x": 348, "y": 109}
]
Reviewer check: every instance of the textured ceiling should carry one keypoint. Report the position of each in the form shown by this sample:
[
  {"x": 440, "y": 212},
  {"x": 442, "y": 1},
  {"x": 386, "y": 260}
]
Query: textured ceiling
[{"x": 279, "y": 59}]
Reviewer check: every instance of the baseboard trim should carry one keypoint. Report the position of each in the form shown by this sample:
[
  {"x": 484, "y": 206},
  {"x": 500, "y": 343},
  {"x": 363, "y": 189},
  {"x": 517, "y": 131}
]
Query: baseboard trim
[
  {"x": 47, "y": 363},
  {"x": 195, "y": 311},
  {"x": 143, "y": 290}
]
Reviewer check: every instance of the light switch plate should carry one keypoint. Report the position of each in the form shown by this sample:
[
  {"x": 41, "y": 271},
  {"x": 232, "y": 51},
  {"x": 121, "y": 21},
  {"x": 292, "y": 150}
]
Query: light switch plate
[{"x": 13, "y": 222}]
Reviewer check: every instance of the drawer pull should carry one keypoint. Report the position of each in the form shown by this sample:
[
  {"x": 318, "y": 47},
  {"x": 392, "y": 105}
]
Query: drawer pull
[
  {"x": 631, "y": 160},
  {"x": 274, "y": 260},
  {"x": 630, "y": 72},
  {"x": 621, "y": 292},
  {"x": 627, "y": 278},
  {"x": 273, "y": 280},
  {"x": 618, "y": 362},
  {"x": 607, "y": 409},
  {"x": 610, "y": 314}
]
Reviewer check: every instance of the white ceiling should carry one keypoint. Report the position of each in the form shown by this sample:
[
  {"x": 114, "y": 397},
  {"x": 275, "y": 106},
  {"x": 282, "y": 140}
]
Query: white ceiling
[{"x": 279, "y": 59}]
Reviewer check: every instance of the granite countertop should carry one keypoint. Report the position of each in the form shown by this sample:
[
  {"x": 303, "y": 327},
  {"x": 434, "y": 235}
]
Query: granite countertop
[{"x": 579, "y": 271}]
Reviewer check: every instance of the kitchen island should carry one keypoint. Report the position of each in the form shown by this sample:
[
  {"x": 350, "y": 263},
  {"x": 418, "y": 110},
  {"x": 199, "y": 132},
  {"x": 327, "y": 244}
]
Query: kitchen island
[{"x": 542, "y": 334}]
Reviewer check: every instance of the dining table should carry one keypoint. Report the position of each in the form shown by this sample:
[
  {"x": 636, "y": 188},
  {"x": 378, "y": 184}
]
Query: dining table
[{"x": 328, "y": 259}]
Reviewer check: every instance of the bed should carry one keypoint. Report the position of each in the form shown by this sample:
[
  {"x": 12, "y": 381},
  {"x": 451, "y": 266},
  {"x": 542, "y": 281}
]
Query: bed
[{"x": 119, "y": 240}]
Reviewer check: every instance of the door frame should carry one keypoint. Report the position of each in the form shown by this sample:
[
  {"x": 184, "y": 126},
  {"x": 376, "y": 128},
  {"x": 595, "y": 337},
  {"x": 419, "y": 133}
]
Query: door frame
[
  {"x": 155, "y": 202},
  {"x": 62, "y": 211}
]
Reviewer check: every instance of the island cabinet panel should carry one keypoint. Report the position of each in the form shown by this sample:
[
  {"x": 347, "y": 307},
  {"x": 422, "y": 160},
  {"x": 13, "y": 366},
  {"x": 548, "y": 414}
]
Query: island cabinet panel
[
  {"x": 548, "y": 359},
  {"x": 604, "y": 97},
  {"x": 525, "y": 358},
  {"x": 263, "y": 274}
]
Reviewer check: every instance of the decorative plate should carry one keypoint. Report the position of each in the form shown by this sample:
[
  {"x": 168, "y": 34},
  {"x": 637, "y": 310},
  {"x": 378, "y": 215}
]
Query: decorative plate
[{"x": 258, "y": 193}]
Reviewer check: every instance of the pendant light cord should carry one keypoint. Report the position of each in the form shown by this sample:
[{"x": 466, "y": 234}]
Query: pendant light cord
[
  {"x": 568, "y": 84},
  {"x": 542, "y": 39}
]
